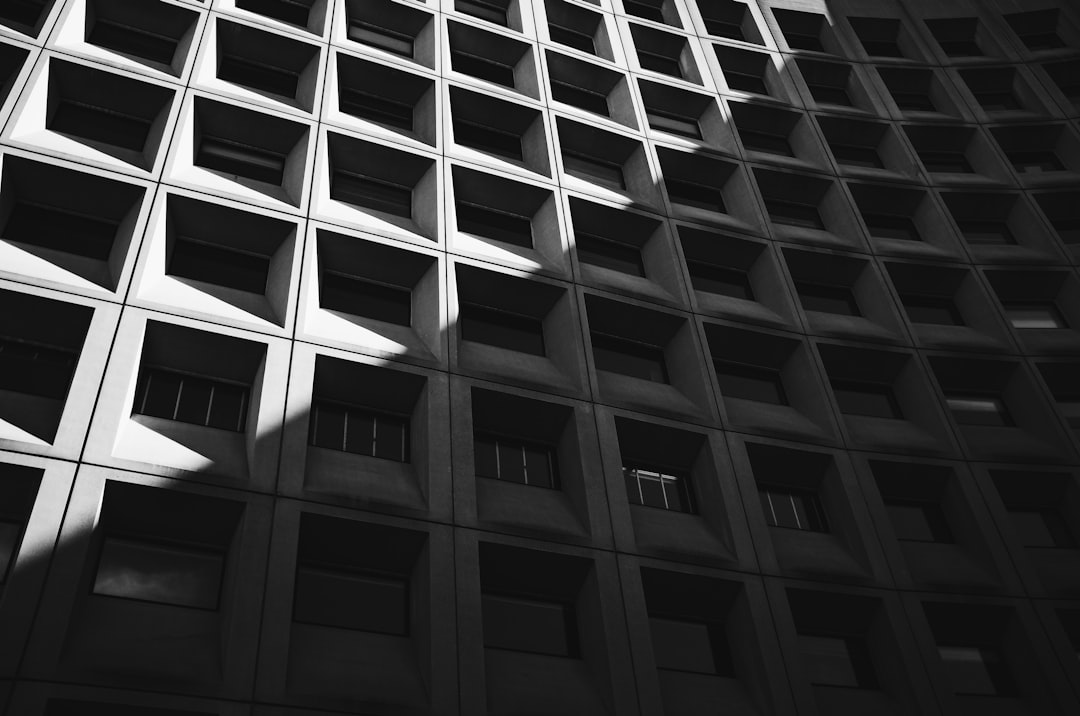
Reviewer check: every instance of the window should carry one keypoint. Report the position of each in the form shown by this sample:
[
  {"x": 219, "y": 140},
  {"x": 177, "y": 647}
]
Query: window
[
  {"x": 483, "y": 137},
  {"x": 502, "y": 329},
  {"x": 946, "y": 161},
  {"x": 631, "y": 358},
  {"x": 691, "y": 193},
  {"x": 663, "y": 64},
  {"x": 219, "y": 265},
  {"x": 240, "y": 71},
  {"x": 590, "y": 101},
  {"x": 613, "y": 255},
  {"x": 793, "y": 508},
  {"x": 491, "y": 70},
  {"x": 912, "y": 101},
  {"x": 935, "y": 310},
  {"x": 529, "y": 624},
  {"x": 827, "y": 299},
  {"x": 869, "y": 399},
  {"x": 986, "y": 232},
  {"x": 166, "y": 572},
  {"x": 751, "y": 382},
  {"x": 979, "y": 410},
  {"x": 100, "y": 124},
  {"x": 855, "y": 155},
  {"x": 494, "y": 224},
  {"x": 362, "y": 297},
  {"x": 762, "y": 141},
  {"x": 792, "y": 213},
  {"x": 376, "y": 108},
  {"x": 1037, "y": 29},
  {"x": 513, "y": 460},
  {"x": 674, "y": 123},
  {"x": 997, "y": 101},
  {"x": 830, "y": 94},
  {"x": 35, "y": 369},
  {"x": 347, "y": 598},
  {"x": 1034, "y": 315},
  {"x": 956, "y": 36},
  {"x": 647, "y": 10},
  {"x": 658, "y": 488},
  {"x": 294, "y": 12},
  {"x": 593, "y": 168},
  {"x": 360, "y": 431},
  {"x": 976, "y": 670},
  {"x": 129, "y": 40},
  {"x": 833, "y": 660},
  {"x": 490, "y": 11},
  {"x": 398, "y": 43},
  {"x": 681, "y": 644},
  {"x": 1035, "y": 161},
  {"x": 918, "y": 520},
  {"x": 231, "y": 157},
  {"x": 721, "y": 280},
  {"x": 371, "y": 193},
  {"x": 572, "y": 38},
  {"x": 1041, "y": 528},
  {"x": 53, "y": 228},
  {"x": 191, "y": 399},
  {"x": 802, "y": 30},
  {"x": 745, "y": 81}
]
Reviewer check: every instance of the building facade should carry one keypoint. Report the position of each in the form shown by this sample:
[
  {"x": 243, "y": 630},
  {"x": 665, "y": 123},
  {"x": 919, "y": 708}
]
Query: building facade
[{"x": 508, "y": 357}]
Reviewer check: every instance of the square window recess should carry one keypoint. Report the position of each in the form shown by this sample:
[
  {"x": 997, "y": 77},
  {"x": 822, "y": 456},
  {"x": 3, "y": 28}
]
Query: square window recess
[
  {"x": 590, "y": 87},
  {"x": 863, "y": 147},
  {"x": 665, "y": 53},
  {"x": 267, "y": 63},
  {"x": 495, "y": 127},
  {"x": 493, "y": 58},
  {"x": 396, "y": 100},
  {"x": 798, "y": 204},
  {"x": 308, "y": 15},
  {"x": 731, "y": 19},
  {"x": 158, "y": 36},
  {"x": 392, "y": 27},
  {"x": 810, "y": 31},
  {"x": 606, "y": 161},
  {"x": 750, "y": 71},
  {"x": 683, "y": 114},
  {"x": 576, "y": 27},
  {"x": 707, "y": 189}
]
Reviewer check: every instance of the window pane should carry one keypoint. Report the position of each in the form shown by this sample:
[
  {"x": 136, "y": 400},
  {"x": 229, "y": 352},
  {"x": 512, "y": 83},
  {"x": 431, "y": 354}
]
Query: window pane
[
  {"x": 10, "y": 533},
  {"x": 132, "y": 41},
  {"x": 542, "y": 627},
  {"x": 219, "y": 265},
  {"x": 380, "y": 302},
  {"x": 539, "y": 466},
  {"x": 391, "y": 438},
  {"x": 683, "y": 645},
  {"x": 381, "y": 37},
  {"x": 159, "y": 393},
  {"x": 352, "y": 600},
  {"x": 613, "y": 255},
  {"x": 580, "y": 97},
  {"x": 169, "y": 574},
  {"x": 328, "y": 426},
  {"x": 483, "y": 68},
  {"x": 701, "y": 196},
  {"x": 100, "y": 125},
  {"x": 35, "y": 370},
  {"x": 485, "y": 11},
  {"x": 652, "y": 489},
  {"x": 376, "y": 109},
  {"x": 258, "y": 76},
  {"x": 633, "y": 359},
  {"x": 494, "y": 224},
  {"x": 674, "y": 124},
  {"x": 360, "y": 433},
  {"x": 975, "y": 670},
  {"x": 511, "y": 462},
  {"x": 934, "y": 310},
  {"x": 827, "y": 299},
  {"x": 978, "y": 410},
  {"x": 594, "y": 169},
  {"x": 55, "y": 229},
  {"x": 830, "y": 661},
  {"x": 677, "y": 494},
  {"x": 233, "y": 158},
  {"x": 485, "y": 457},
  {"x": 503, "y": 330},
  {"x": 875, "y": 401},
  {"x": 194, "y": 405},
  {"x": 571, "y": 38},
  {"x": 793, "y": 509},
  {"x": 370, "y": 193},
  {"x": 749, "y": 382},
  {"x": 486, "y": 138},
  {"x": 720, "y": 280},
  {"x": 227, "y": 409}
]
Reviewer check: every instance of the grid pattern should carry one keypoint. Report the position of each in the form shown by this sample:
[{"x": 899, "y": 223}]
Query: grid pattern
[{"x": 818, "y": 256}]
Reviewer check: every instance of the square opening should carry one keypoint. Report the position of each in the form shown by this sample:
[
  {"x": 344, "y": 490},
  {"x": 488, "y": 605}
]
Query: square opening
[
  {"x": 971, "y": 642},
  {"x": 506, "y": 312},
  {"x": 1038, "y": 507},
  {"x": 837, "y": 636},
  {"x": 703, "y": 187},
  {"x": 775, "y": 132},
  {"x": 493, "y": 58},
  {"x": 495, "y": 209},
  {"x": 959, "y": 37},
  {"x": 988, "y": 220},
  {"x": 999, "y": 90},
  {"x": 901, "y": 219},
  {"x": 872, "y": 385},
  {"x": 857, "y": 144},
  {"x": 806, "y": 31},
  {"x": 299, "y": 13},
  {"x": 1040, "y": 30},
  {"x": 688, "y": 616},
  {"x": 155, "y": 35},
  {"x": 757, "y": 371},
  {"x": 665, "y": 53},
  {"x": 268, "y": 63},
  {"x": 591, "y": 88},
  {"x": 397, "y": 100},
  {"x": 834, "y": 83},
  {"x": 884, "y": 37},
  {"x": 606, "y": 160},
  {"x": 792, "y": 498},
  {"x": 509, "y": 131},
  {"x": 935, "y": 295},
  {"x": 392, "y": 27},
  {"x": 1035, "y": 300},
  {"x": 916, "y": 499},
  {"x": 40, "y": 344},
  {"x": 749, "y": 71},
  {"x": 576, "y": 27},
  {"x": 25, "y": 16},
  {"x": 681, "y": 113},
  {"x": 662, "y": 469},
  {"x": 799, "y": 202},
  {"x": 731, "y": 19},
  {"x": 521, "y": 441},
  {"x": 918, "y": 91}
]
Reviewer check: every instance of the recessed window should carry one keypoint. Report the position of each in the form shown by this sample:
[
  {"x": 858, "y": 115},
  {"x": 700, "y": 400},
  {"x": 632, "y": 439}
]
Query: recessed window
[
  {"x": 487, "y": 138},
  {"x": 892, "y": 226},
  {"x": 763, "y": 141},
  {"x": 363, "y": 297},
  {"x": 1034, "y": 315},
  {"x": 657, "y": 62},
  {"x": 294, "y": 12},
  {"x": 398, "y": 43},
  {"x": 976, "y": 670},
  {"x": 956, "y": 36},
  {"x": 493, "y": 12},
  {"x": 371, "y": 193},
  {"x": 721, "y": 280},
  {"x": 262, "y": 61},
  {"x": 191, "y": 399},
  {"x": 376, "y": 108},
  {"x": 358, "y": 430},
  {"x": 494, "y": 224},
  {"x": 976, "y": 231},
  {"x": 802, "y": 30},
  {"x": 231, "y": 157},
  {"x": 793, "y": 509},
  {"x": 870, "y": 399},
  {"x": 934, "y": 310},
  {"x": 240, "y": 71},
  {"x": 750, "y": 382},
  {"x": 793, "y": 213},
  {"x": 879, "y": 36},
  {"x": 613, "y": 255},
  {"x": 502, "y": 329},
  {"x": 689, "y": 193},
  {"x": 946, "y": 161},
  {"x": 334, "y": 596},
  {"x": 697, "y": 647},
  {"x": 593, "y": 169},
  {"x": 918, "y": 520},
  {"x": 513, "y": 460},
  {"x": 219, "y": 265},
  {"x": 979, "y": 410},
  {"x": 833, "y": 660},
  {"x": 1041, "y": 528},
  {"x": 646, "y": 10},
  {"x": 528, "y": 624},
  {"x": 1037, "y": 29},
  {"x": 166, "y": 572},
  {"x": 589, "y": 100},
  {"x": 855, "y": 155},
  {"x": 572, "y": 38},
  {"x": 631, "y": 358},
  {"x": 127, "y": 29},
  {"x": 100, "y": 124},
  {"x": 658, "y": 488},
  {"x": 481, "y": 67},
  {"x": 827, "y": 298},
  {"x": 132, "y": 41},
  {"x": 674, "y": 123},
  {"x": 36, "y": 369}
]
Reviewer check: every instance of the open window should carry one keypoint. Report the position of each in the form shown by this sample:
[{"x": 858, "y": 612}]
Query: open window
[
  {"x": 507, "y": 130},
  {"x": 393, "y": 28},
  {"x": 590, "y": 87},
  {"x": 267, "y": 63},
  {"x": 730, "y": 19},
  {"x": 809, "y": 31},
  {"x": 493, "y": 58},
  {"x": 398, "y": 101},
  {"x": 578, "y": 28},
  {"x": 665, "y": 53}
]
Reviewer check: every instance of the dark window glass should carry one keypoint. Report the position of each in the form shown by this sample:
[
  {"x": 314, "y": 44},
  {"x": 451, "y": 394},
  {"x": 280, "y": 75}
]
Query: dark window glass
[
  {"x": 10, "y": 536},
  {"x": 394, "y": 42},
  {"x": 360, "y": 297},
  {"x": 660, "y": 63},
  {"x": 751, "y": 382},
  {"x": 100, "y": 124},
  {"x": 804, "y": 41},
  {"x": 1036, "y": 161},
  {"x": 953, "y": 162},
  {"x": 645, "y": 10},
  {"x": 1044, "y": 40},
  {"x": 33, "y": 369},
  {"x": 494, "y": 224},
  {"x": 294, "y": 12},
  {"x": 745, "y": 82},
  {"x": 637, "y": 360},
  {"x": 376, "y": 109},
  {"x": 979, "y": 410},
  {"x": 913, "y": 101},
  {"x": 485, "y": 69},
  {"x": 571, "y": 38},
  {"x": 190, "y": 399},
  {"x": 532, "y": 625},
  {"x": 882, "y": 48},
  {"x": 663, "y": 489},
  {"x": 165, "y": 572},
  {"x": 977, "y": 670},
  {"x": 892, "y": 226},
  {"x": 960, "y": 47},
  {"x": 511, "y": 331},
  {"x": 483, "y": 10},
  {"x": 613, "y": 255},
  {"x": 936, "y": 310},
  {"x": 691, "y": 193},
  {"x": 855, "y": 155},
  {"x": 594, "y": 169},
  {"x": 837, "y": 661},
  {"x": 721, "y": 280},
  {"x": 23, "y": 12},
  {"x": 720, "y": 28},
  {"x": 51, "y": 228},
  {"x": 674, "y": 123},
  {"x": 793, "y": 213},
  {"x": 827, "y": 299},
  {"x": 219, "y": 265},
  {"x": 684, "y": 645},
  {"x": 918, "y": 521},
  {"x": 580, "y": 97},
  {"x": 1041, "y": 528},
  {"x": 761, "y": 141},
  {"x": 346, "y": 599},
  {"x": 998, "y": 101},
  {"x": 360, "y": 431},
  {"x": 793, "y": 509},
  {"x": 870, "y": 399},
  {"x": 830, "y": 94},
  {"x": 986, "y": 232},
  {"x": 132, "y": 41},
  {"x": 258, "y": 76},
  {"x": 371, "y": 193},
  {"x": 483, "y": 137},
  {"x": 240, "y": 159},
  {"x": 1029, "y": 315},
  {"x": 514, "y": 460}
]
